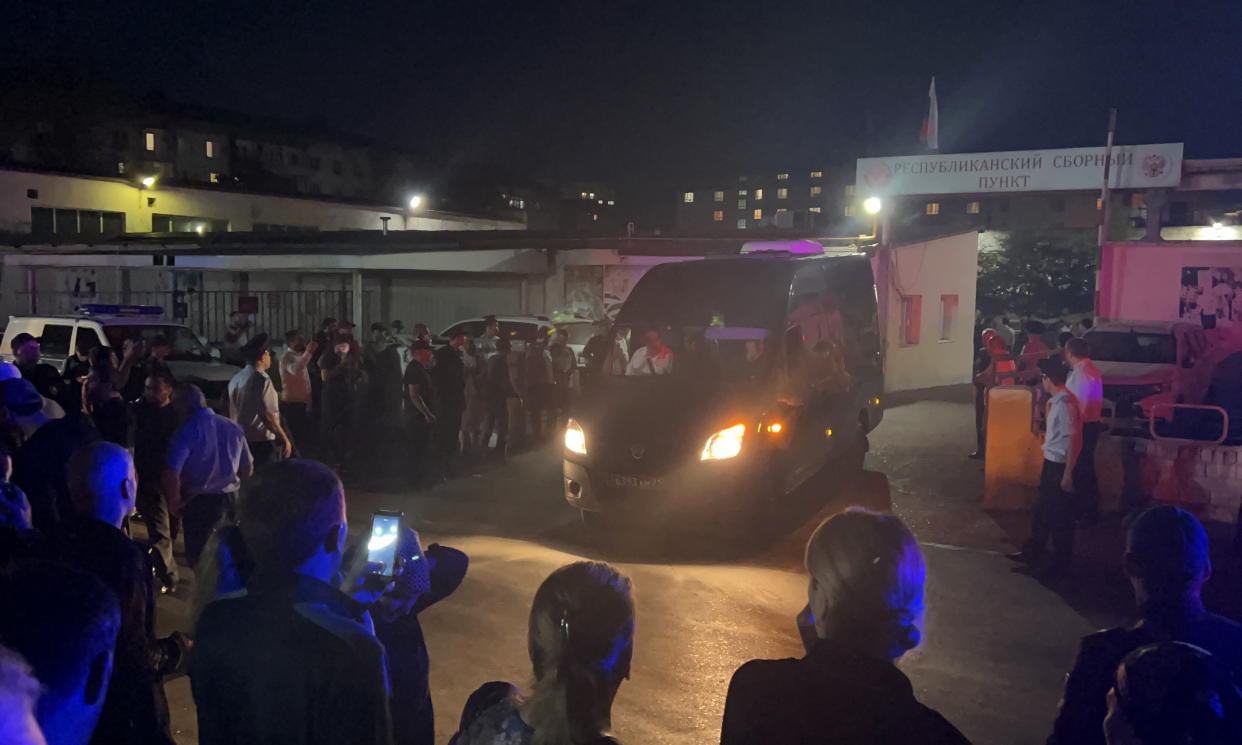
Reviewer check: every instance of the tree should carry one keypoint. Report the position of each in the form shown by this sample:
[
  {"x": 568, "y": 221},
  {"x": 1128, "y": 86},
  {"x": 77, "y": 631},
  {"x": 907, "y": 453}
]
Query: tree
[{"x": 1038, "y": 273}]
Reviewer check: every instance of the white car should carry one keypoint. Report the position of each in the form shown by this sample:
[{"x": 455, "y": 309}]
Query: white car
[
  {"x": 1138, "y": 359},
  {"x": 518, "y": 329},
  {"x": 111, "y": 326}
]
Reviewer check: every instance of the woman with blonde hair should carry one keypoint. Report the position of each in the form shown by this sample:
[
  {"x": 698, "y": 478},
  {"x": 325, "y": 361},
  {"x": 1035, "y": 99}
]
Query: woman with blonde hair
[
  {"x": 580, "y": 640},
  {"x": 864, "y": 612}
]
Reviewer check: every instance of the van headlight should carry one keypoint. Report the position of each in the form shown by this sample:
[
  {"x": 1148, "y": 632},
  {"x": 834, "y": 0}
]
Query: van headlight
[
  {"x": 575, "y": 438},
  {"x": 726, "y": 443}
]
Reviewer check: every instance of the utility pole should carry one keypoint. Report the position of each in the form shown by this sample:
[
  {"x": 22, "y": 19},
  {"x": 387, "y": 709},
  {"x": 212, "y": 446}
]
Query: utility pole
[{"x": 1105, "y": 206}]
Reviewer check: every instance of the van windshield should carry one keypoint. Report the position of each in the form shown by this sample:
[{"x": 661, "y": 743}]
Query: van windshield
[
  {"x": 1129, "y": 346},
  {"x": 185, "y": 345},
  {"x": 705, "y": 320}
]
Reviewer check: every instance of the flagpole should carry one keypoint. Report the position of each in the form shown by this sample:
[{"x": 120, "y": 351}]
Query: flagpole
[{"x": 1105, "y": 204}]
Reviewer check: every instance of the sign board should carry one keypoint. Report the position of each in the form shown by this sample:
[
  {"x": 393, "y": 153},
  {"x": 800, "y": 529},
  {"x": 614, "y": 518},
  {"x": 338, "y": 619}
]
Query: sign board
[{"x": 1069, "y": 169}]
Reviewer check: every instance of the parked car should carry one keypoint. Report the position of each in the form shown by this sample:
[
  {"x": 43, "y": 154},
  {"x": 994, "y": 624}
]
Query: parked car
[
  {"x": 1138, "y": 360},
  {"x": 519, "y": 329},
  {"x": 111, "y": 326}
]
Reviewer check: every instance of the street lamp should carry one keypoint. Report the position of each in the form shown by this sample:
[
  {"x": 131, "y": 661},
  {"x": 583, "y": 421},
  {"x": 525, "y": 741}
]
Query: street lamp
[
  {"x": 872, "y": 205},
  {"x": 416, "y": 201},
  {"x": 148, "y": 182}
]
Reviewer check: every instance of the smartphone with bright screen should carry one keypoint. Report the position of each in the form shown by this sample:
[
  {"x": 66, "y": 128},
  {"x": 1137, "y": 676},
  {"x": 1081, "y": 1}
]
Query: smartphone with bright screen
[{"x": 382, "y": 545}]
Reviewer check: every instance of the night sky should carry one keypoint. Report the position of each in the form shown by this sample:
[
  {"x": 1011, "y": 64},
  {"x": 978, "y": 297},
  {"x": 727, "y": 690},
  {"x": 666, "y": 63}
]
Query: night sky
[{"x": 654, "y": 96}]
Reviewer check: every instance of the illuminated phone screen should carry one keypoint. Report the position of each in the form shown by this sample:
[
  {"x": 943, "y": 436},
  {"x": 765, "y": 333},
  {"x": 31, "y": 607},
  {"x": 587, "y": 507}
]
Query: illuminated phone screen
[{"x": 382, "y": 545}]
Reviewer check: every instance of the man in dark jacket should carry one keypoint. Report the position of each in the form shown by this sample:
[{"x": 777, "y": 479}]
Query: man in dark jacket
[
  {"x": 448, "y": 379},
  {"x": 39, "y": 464},
  {"x": 47, "y": 379},
  {"x": 498, "y": 389},
  {"x": 289, "y": 663},
  {"x": 103, "y": 487},
  {"x": 155, "y": 423},
  {"x": 1167, "y": 561},
  {"x": 428, "y": 579}
]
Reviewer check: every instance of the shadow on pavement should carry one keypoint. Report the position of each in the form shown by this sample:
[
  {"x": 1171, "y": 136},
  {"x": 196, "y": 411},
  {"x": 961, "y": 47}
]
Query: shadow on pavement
[{"x": 779, "y": 542}]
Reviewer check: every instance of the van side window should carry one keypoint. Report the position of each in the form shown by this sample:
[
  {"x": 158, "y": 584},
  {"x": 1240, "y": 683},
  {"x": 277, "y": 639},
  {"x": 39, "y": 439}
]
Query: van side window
[
  {"x": 54, "y": 341},
  {"x": 87, "y": 340},
  {"x": 852, "y": 279}
]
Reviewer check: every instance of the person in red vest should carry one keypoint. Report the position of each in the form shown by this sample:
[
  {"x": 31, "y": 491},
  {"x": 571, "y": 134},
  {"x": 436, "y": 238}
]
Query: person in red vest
[{"x": 993, "y": 366}]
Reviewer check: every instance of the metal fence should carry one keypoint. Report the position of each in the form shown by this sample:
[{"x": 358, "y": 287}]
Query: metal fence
[{"x": 207, "y": 312}]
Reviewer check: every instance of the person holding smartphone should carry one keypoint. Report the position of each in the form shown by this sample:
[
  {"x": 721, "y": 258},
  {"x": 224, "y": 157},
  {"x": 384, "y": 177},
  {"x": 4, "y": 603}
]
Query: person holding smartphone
[{"x": 429, "y": 577}]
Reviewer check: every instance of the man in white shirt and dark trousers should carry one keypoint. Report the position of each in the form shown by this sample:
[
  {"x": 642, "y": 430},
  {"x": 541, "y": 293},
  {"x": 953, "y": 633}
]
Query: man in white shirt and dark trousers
[
  {"x": 295, "y": 389},
  {"x": 1088, "y": 387},
  {"x": 1055, "y": 511},
  {"x": 254, "y": 405},
  {"x": 207, "y": 461}
]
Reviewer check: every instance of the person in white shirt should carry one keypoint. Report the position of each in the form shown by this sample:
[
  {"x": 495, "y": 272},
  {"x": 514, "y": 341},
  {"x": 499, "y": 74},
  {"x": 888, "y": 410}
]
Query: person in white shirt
[
  {"x": 653, "y": 359},
  {"x": 296, "y": 400},
  {"x": 1087, "y": 386},
  {"x": 254, "y": 405},
  {"x": 1054, "y": 510}
]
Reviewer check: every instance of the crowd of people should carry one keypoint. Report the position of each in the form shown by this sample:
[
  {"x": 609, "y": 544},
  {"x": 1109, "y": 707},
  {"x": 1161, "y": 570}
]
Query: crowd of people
[
  {"x": 294, "y": 638},
  {"x": 1072, "y": 391}
]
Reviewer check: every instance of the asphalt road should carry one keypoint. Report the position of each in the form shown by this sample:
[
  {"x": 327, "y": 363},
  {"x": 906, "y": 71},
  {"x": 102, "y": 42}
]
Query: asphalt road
[{"x": 996, "y": 646}]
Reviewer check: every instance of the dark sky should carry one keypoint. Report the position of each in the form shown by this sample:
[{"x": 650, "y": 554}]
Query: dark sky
[{"x": 653, "y": 96}]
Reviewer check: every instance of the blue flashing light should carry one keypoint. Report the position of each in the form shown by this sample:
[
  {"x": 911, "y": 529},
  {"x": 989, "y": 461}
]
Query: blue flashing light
[{"x": 106, "y": 309}]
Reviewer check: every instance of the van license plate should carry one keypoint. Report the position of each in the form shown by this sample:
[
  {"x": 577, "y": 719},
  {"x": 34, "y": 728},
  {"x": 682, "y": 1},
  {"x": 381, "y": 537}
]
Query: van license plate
[{"x": 621, "y": 481}]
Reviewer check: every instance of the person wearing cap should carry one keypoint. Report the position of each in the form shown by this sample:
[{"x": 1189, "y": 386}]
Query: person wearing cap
[
  {"x": 46, "y": 445},
  {"x": 53, "y": 410},
  {"x": 1055, "y": 507},
  {"x": 1167, "y": 561},
  {"x": 47, "y": 379},
  {"x": 254, "y": 405}
]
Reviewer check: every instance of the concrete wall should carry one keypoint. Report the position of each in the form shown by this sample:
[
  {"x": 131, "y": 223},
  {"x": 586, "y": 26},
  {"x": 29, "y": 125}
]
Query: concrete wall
[
  {"x": 240, "y": 210},
  {"x": 942, "y": 267},
  {"x": 1142, "y": 281}
]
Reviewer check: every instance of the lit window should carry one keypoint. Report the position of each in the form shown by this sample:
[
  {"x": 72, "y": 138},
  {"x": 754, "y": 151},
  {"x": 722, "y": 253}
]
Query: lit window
[
  {"x": 758, "y": 214},
  {"x": 851, "y": 210},
  {"x": 933, "y": 208},
  {"x": 948, "y": 312},
  {"x": 592, "y": 195},
  {"x": 817, "y": 210},
  {"x": 741, "y": 223},
  {"x": 601, "y": 201},
  {"x": 1099, "y": 203},
  {"x": 150, "y": 140},
  {"x": 594, "y": 217},
  {"x": 718, "y": 215},
  {"x": 780, "y": 210},
  {"x": 817, "y": 190},
  {"x": 758, "y": 193},
  {"x": 583, "y": 195},
  {"x": 911, "y": 318},
  {"x": 742, "y": 193},
  {"x": 718, "y": 196},
  {"x": 612, "y": 202},
  {"x": 213, "y": 178},
  {"x": 211, "y": 149},
  {"x": 741, "y": 204},
  {"x": 849, "y": 190},
  {"x": 782, "y": 193},
  {"x": 817, "y": 174},
  {"x": 972, "y": 208},
  {"x": 782, "y": 177},
  {"x": 688, "y": 197}
]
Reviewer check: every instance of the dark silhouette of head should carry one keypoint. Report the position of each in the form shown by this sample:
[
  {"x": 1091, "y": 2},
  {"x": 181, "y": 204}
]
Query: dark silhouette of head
[
  {"x": 64, "y": 622},
  {"x": 1167, "y": 557},
  {"x": 292, "y": 518}
]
